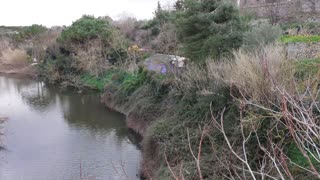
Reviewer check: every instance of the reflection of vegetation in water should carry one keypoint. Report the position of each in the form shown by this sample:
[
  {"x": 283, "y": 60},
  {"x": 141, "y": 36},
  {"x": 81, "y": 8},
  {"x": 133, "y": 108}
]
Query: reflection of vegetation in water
[
  {"x": 39, "y": 97},
  {"x": 6, "y": 83},
  {"x": 2, "y": 121},
  {"x": 135, "y": 138},
  {"x": 81, "y": 111},
  {"x": 35, "y": 94},
  {"x": 86, "y": 111}
]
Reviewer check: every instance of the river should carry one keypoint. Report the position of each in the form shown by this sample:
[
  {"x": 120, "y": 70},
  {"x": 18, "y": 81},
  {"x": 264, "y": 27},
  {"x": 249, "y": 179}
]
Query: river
[{"x": 60, "y": 134}]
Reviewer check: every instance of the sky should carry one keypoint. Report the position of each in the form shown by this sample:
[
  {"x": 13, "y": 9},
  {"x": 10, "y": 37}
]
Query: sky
[{"x": 64, "y": 12}]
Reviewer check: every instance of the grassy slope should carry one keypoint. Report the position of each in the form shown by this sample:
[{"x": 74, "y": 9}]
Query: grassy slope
[
  {"x": 153, "y": 99},
  {"x": 171, "y": 113}
]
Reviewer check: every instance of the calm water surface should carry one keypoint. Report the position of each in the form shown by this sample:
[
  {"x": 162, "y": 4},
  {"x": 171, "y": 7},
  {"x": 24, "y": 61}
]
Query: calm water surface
[{"x": 56, "y": 134}]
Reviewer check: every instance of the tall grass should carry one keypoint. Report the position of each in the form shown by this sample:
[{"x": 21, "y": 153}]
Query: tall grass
[
  {"x": 254, "y": 72},
  {"x": 16, "y": 58}
]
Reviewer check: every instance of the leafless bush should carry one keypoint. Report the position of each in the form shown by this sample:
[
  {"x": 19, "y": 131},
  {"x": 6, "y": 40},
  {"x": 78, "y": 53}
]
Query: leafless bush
[
  {"x": 166, "y": 42},
  {"x": 266, "y": 83},
  {"x": 295, "y": 119},
  {"x": 41, "y": 43},
  {"x": 127, "y": 26},
  {"x": 91, "y": 58}
]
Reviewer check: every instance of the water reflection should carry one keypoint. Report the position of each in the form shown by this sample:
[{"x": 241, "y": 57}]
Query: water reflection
[{"x": 51, "y": 132}]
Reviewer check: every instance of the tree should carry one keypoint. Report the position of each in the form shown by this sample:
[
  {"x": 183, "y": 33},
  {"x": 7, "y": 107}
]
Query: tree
[
  {"x": 160, "y": 32},
  {"x": 85, "y": 29},
  {"x": 161, "y": 16},
  {"x": 209, "y": 28},
  {"x": 178, "y": 5}
]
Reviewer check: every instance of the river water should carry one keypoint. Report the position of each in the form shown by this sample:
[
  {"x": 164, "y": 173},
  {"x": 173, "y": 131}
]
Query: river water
[{"x": 58, "y": 134}]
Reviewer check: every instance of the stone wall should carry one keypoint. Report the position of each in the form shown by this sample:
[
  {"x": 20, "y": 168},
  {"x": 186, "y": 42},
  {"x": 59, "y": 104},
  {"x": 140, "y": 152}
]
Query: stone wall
[
  {"x": 279, "y": 10},
  {"x": 303, "y": 50}
]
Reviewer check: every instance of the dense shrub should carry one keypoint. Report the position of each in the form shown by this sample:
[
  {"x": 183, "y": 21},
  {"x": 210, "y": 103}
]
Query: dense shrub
[
  {"x": 85, "y": 29},
  {"x": 91, "y": 44},
  {"x": 261, "y": 35}
]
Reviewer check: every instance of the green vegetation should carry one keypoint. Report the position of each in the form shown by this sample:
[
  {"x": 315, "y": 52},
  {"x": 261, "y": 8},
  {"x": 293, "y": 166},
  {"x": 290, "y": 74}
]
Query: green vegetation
[
  {"x": 85, "y": 29},
  {"x": 179, "y": 109},
  {"x": 229, "y": 112},
  {"x": 29, "y": 32},
  {"x": 96, "y": 82},
  {"x": 300, "y": 38},
  {"x": 261, "y": 35},
  {"x": 296, "y": 156},
  {"x": 209, "y": 28},
  {"x": 86, "y": 47},
  {"x": 307, "y": 67}
]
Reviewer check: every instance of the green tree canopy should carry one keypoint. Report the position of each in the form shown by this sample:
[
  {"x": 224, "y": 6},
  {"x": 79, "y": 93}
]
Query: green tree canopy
[
  {"x": 209, "y": 28},
  {"x": 85, "y": 29}
]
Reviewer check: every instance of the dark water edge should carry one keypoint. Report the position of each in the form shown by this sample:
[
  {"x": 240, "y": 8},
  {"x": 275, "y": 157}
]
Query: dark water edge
[{"x": 55, "y": 133}]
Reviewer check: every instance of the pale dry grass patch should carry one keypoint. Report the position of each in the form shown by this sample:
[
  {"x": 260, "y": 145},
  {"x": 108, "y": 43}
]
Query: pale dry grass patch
[
  {"x": 256, "y": 73},
  {"x": 16, "y": 58}
]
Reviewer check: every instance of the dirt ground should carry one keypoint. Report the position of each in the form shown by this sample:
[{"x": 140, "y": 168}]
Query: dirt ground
[{"x": 28, "y": 70}]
